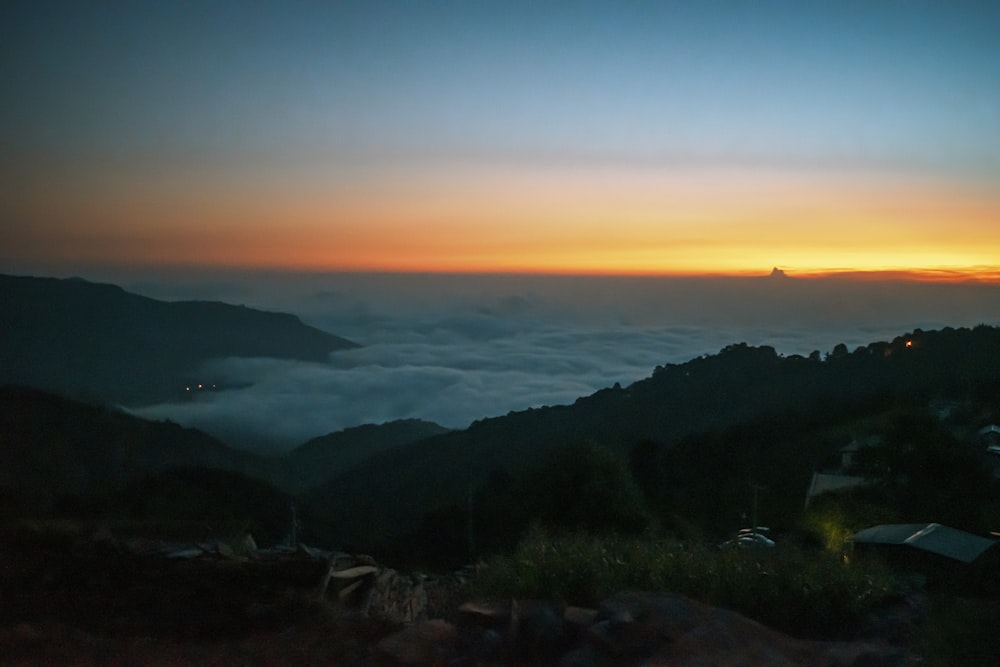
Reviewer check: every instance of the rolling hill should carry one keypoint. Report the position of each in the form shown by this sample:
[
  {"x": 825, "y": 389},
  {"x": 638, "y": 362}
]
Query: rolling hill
[{"x": 319, "y": 459}]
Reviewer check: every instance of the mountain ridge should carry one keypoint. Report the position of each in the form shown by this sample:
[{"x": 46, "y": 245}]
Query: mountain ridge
[
  {"x": 707, "y": 395},
  {"x": 98, "y": 341},
  {"x": 746, "y": 411}
]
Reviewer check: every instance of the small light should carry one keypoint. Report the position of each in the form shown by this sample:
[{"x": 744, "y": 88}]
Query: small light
[
  {"x": 199, "y": 386},
  {"x": 187, "y": 388},
  {"x": 909, "y": 343}
]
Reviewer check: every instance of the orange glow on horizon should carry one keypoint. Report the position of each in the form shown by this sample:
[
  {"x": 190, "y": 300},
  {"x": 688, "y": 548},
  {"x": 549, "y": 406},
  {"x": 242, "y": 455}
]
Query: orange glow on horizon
[{"x": 599, "y": 221}]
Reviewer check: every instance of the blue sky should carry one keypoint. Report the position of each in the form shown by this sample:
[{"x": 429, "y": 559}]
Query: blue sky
[
  {"x": 858, "y": 81},
  {"x": 337, "y": 97}
]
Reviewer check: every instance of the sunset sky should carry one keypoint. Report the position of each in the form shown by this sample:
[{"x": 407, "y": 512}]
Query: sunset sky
[{"x": 627, "y": 137}]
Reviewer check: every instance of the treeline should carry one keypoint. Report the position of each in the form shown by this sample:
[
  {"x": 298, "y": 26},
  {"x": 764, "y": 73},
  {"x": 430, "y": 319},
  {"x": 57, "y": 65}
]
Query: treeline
[{"x": 704, "y": 488}]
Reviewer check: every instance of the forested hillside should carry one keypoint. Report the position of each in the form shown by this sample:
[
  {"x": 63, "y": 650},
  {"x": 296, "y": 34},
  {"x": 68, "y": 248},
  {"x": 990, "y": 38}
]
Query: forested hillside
[{"x": 701, "y": 432}]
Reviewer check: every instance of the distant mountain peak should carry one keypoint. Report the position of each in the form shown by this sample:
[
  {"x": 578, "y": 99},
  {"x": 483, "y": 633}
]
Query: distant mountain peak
[{"x": 777, "y": 274}]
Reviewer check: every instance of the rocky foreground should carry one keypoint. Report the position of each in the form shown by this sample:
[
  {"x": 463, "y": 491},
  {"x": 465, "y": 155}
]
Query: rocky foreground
[{"x": 111, "y": 601}]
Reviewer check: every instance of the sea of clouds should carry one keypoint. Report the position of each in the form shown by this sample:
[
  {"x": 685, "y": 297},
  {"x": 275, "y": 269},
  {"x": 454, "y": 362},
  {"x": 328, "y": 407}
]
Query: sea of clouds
[{"x": 454, "y": 349}]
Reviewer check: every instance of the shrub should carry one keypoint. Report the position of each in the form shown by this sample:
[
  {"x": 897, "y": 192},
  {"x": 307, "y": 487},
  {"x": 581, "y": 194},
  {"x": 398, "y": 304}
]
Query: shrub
[
  {"x": 585, "y": 486},
  {"x": 811, "y": 593}
]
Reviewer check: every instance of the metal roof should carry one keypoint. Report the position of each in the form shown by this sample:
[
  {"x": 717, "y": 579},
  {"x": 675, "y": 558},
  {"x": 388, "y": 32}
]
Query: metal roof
[
  {"x": 931, "y": 537},
  {"x": 823, "y": 482}
]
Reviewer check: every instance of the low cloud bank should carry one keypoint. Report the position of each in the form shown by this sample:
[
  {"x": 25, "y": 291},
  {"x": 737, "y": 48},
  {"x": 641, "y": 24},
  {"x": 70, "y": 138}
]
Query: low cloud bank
[{"x": 455, "y": 349}]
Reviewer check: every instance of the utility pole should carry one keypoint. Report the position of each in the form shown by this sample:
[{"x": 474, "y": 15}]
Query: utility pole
[
  {"x": 470, "y": 526},
  {"x": 756, "y": 490}
]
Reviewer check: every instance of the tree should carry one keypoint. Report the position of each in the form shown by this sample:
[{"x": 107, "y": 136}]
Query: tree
[
  {"x": 585, "y": 486},
  {"x": 839, "y": 351}
]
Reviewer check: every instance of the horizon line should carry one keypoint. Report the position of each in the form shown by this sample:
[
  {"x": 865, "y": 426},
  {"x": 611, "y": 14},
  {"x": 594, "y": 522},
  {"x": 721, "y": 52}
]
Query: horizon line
[{"x": 969, "y": 274}]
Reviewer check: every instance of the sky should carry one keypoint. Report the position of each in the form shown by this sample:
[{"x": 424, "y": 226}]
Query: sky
[{"x": 667, "y": 138}]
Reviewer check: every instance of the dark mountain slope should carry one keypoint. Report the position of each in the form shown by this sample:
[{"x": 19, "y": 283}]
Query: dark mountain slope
[
  {"x": 100, "y": 342},
  {"x": 390, "y": 492},
  {"x": 333, "y": 454},
  {"x": 52, "y": 447}
]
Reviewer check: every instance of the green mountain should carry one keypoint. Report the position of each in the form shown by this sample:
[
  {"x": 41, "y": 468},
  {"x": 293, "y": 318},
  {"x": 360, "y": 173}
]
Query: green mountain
[{"x": 101, "y": 343}]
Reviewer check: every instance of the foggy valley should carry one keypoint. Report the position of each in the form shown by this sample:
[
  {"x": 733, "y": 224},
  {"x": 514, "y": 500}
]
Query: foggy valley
[{"x": 454, "y": 349}]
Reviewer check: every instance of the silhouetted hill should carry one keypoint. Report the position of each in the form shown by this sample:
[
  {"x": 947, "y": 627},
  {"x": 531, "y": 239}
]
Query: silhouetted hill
[
  {"x": 202, "y": 496},
  {"x": 772, "y": 398},
  {"x": 334, "y": 454},
  {"x": 99, "y": 342},
  {"x": 53, "y": 448}
]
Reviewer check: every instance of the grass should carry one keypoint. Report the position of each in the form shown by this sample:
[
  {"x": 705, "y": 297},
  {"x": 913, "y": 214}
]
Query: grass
[
  {"x": 803, "y": 592},
  {"x": 962, "y": 631}
]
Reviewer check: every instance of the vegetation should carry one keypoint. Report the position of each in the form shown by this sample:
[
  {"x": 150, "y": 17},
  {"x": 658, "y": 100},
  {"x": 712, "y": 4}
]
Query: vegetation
[
  {"x": 213, "y": 498},
  {"x": 962, "y": 631},
  {"x": 800, "y": 591},
  {"x": 630, "y": 488}
]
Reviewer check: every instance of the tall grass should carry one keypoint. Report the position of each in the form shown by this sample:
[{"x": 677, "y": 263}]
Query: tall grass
[{"x": 809, "y": 593}]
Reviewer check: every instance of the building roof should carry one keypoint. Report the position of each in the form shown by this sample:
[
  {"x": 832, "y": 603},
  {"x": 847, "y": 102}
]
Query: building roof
[
  {"x": 931, "y": 537},
  {"x": 857, "y": 444},
  {"x": 826, "y": 481}
]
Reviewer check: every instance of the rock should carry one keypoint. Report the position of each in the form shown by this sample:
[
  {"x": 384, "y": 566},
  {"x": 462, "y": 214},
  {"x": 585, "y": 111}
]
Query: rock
[
  {"x": 541, "y": 634},
  {"x": 579, "y": 617},
  {"x": 397, "y": 597},
  {"x": 485, "y": 613},
  {"x": 649, "y": 628},
  {"x": 637, "y": 624},
  {"x": 424, "y": 643}
]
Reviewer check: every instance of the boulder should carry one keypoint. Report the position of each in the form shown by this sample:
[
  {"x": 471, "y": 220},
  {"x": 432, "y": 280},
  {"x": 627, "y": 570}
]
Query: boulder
[
  {"x": 651, "y": 628},
  {"x": 429, "y": 642},
  {"x": 398, "y": 597}
]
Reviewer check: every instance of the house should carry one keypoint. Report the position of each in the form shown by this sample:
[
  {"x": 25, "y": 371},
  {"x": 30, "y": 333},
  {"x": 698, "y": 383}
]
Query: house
[
  {"x": 931, "y": 538},
  {"x": 990, "y": 431},
  {"x": 943, "y": 554},
  {"x": 989, "y": 437},
  {"x": 850, "y": 456},
  {"x": 843, "y": 472},
  {"x": 823, "y": 482}
]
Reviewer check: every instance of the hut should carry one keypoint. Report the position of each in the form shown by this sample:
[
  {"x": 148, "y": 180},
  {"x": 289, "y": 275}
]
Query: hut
[{"x": 944, "y": 554}]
